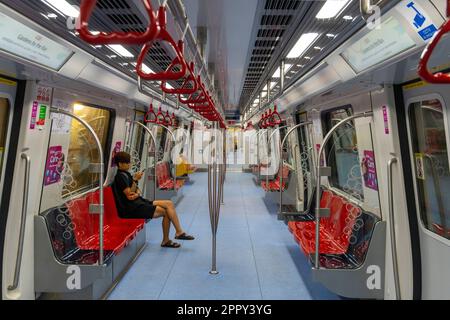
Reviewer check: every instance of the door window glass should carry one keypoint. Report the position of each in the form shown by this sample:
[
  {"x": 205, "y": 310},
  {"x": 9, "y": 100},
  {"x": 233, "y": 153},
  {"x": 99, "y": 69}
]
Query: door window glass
[{"x": 431, "y": 165}]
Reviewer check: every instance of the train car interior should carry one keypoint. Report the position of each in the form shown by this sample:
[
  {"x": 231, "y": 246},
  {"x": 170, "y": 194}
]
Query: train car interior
[{"x": 298, "y": 148}]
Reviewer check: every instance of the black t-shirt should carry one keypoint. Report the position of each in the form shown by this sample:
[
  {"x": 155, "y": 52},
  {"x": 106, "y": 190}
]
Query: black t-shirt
[{"x": 122, "y": 181}]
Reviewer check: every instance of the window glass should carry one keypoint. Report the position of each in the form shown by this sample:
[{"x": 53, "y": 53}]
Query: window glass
[
  {"x": 83, "y": 149},
  {"x": 4, "y": 115},
  {"x": 137, "y": 142},
  {"x": 305, "y": 155},
  {"x": 343, "y": 155},
  {"x": 431, "y": 165}
]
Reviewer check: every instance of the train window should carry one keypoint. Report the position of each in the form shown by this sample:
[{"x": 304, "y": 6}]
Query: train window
[
  {"x": 136, "y": 146},
  {"x": 82, "y": 151},
  {"x": 4, "y": 115},
  {"x": 343, "y": 155},
  {"x": 431, "y": 164},
  {"x": 305, "y": 155}
]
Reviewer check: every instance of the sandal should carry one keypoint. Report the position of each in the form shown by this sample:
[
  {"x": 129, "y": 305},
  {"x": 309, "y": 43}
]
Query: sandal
[
  {"x": 171, "y": 244},
  {"x": 184, "y": 236}
]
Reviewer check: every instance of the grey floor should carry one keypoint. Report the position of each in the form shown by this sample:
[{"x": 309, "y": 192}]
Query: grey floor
[{"x": 257, "y": 257}]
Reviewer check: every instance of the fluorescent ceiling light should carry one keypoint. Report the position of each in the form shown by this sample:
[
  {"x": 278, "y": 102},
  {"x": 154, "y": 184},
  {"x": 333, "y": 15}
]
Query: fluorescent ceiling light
[
  {"x": 287, "y": 66},
  {"x": 120, "y": 50},
  {"x": 277, "y": 73},
  {"x": 145, "y": 68},
  {"x": 264, "y": 94},
  {"x": 64, "y": 7},
  {"x": 273, "y": 84},
  {"x": 332, "y": 8},
  {"x": 302, "y": 45}
]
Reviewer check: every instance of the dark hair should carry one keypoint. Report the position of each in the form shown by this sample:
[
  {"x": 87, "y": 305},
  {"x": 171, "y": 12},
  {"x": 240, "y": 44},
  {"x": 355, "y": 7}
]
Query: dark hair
[{"x": 122, "y": 157}]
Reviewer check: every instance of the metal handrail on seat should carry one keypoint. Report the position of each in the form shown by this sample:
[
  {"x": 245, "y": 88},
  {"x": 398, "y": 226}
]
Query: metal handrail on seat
[
  {"x": 320, "y": 170},
  {"x": 300, "y": 125},
  {"x": 155, "y": 154},
  {"x": 101, "y": 172}
]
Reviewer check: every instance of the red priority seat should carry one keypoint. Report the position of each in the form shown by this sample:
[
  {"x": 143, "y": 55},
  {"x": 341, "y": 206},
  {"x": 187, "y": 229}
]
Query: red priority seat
[
  {"x": 274, "y": 185},
  {"x": 117, "y": 233},
  {"x": 335, "y": 231},
  {"x": 325, "y": 202}
]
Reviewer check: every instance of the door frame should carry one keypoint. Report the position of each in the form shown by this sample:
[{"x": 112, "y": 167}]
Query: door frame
[
  {"x": 403, "y": 135},
  {"x": 420, "y": 98},
  {"x": 9, "y": 164}
]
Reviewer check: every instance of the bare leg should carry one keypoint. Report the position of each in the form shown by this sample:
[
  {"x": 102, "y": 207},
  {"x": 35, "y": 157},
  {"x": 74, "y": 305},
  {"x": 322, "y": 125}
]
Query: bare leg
[
  {"x": 166, "y": 229},
  {"x": 170, "y": 213}
]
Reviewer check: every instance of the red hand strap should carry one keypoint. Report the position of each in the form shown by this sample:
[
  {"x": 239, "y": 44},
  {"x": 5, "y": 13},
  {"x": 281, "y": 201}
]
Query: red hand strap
[
  {"x": 170, "y": 74},
  {"x": 423, "y": 71},
  {"x": 185, "y": 89},
  {"x": 131, "y": 38},
  {"x": 150, "y": 113},
  {"x": 275, "y": 118}
]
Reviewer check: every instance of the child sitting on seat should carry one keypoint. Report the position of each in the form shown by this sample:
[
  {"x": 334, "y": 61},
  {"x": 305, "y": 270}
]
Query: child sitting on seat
[{"x": 130, "y": 204}]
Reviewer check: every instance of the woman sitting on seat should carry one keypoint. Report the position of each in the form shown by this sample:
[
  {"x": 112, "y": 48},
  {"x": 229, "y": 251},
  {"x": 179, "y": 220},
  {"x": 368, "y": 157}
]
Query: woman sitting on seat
[{"x": 130, "y": 204}]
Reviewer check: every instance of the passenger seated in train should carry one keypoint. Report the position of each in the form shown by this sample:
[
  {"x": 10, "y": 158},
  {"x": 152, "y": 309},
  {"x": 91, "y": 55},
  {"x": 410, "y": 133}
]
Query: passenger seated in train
[
  {"x": 183, "y": 166},
  {"x": 130, "y": 204}
]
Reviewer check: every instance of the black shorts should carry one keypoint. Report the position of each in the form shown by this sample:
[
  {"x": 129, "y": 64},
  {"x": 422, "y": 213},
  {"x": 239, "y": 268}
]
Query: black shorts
[{"x": 143, "y": 210}]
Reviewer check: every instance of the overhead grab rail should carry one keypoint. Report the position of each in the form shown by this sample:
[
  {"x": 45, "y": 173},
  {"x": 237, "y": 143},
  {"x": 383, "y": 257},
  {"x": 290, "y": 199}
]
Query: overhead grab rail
[
  {"x": 326, "y": 172},
  {"x": 155, "y": 31},
  {"x": 423, "y": 71},
  {"x": 281, "y": 213},
  {"x": 23, "y": 217},
  {"x": 367, "y": 6},
  {"x": 163, "y": 35},
  {"x": 98, "y": 168},
  {"x": 131, "y": 37}
]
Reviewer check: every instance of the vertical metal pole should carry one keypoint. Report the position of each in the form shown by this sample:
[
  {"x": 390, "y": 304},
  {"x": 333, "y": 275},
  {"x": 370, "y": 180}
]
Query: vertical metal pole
[
  {"x": 282, "y": 69},
  {"x": 268, "y": 90},
  {"x": 214, "y": 200},
  {"x": 280, "y": 169},
  {"x": 392, "y": 229},
  {"x": 224, "y": 164}
]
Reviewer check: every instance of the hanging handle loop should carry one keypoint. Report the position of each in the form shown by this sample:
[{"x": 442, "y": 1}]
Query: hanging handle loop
[
  {"x": 423, "y": 70},
  {"x": 130, "y": 38},
  {"x": 163, "y": 35}
]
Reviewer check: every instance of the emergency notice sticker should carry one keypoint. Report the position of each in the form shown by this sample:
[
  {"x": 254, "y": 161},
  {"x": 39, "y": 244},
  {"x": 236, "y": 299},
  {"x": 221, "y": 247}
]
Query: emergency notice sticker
[{"x": 420, "y": 168}]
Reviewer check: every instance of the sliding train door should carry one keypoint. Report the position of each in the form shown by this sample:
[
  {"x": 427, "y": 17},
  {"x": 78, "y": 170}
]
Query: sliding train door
[{"x": 427, "y": 110}]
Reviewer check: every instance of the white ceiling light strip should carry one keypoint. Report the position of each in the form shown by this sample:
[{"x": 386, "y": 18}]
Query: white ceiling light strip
[{"x": 332, "y": 9}]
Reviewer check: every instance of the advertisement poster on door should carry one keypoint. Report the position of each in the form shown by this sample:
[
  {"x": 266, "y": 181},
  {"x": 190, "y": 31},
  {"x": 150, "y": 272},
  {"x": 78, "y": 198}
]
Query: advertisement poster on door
[
  {"x": 53, "y": 167},
  {"x": 116, "y": 150},
  {"x": 370, "y": 170}
]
